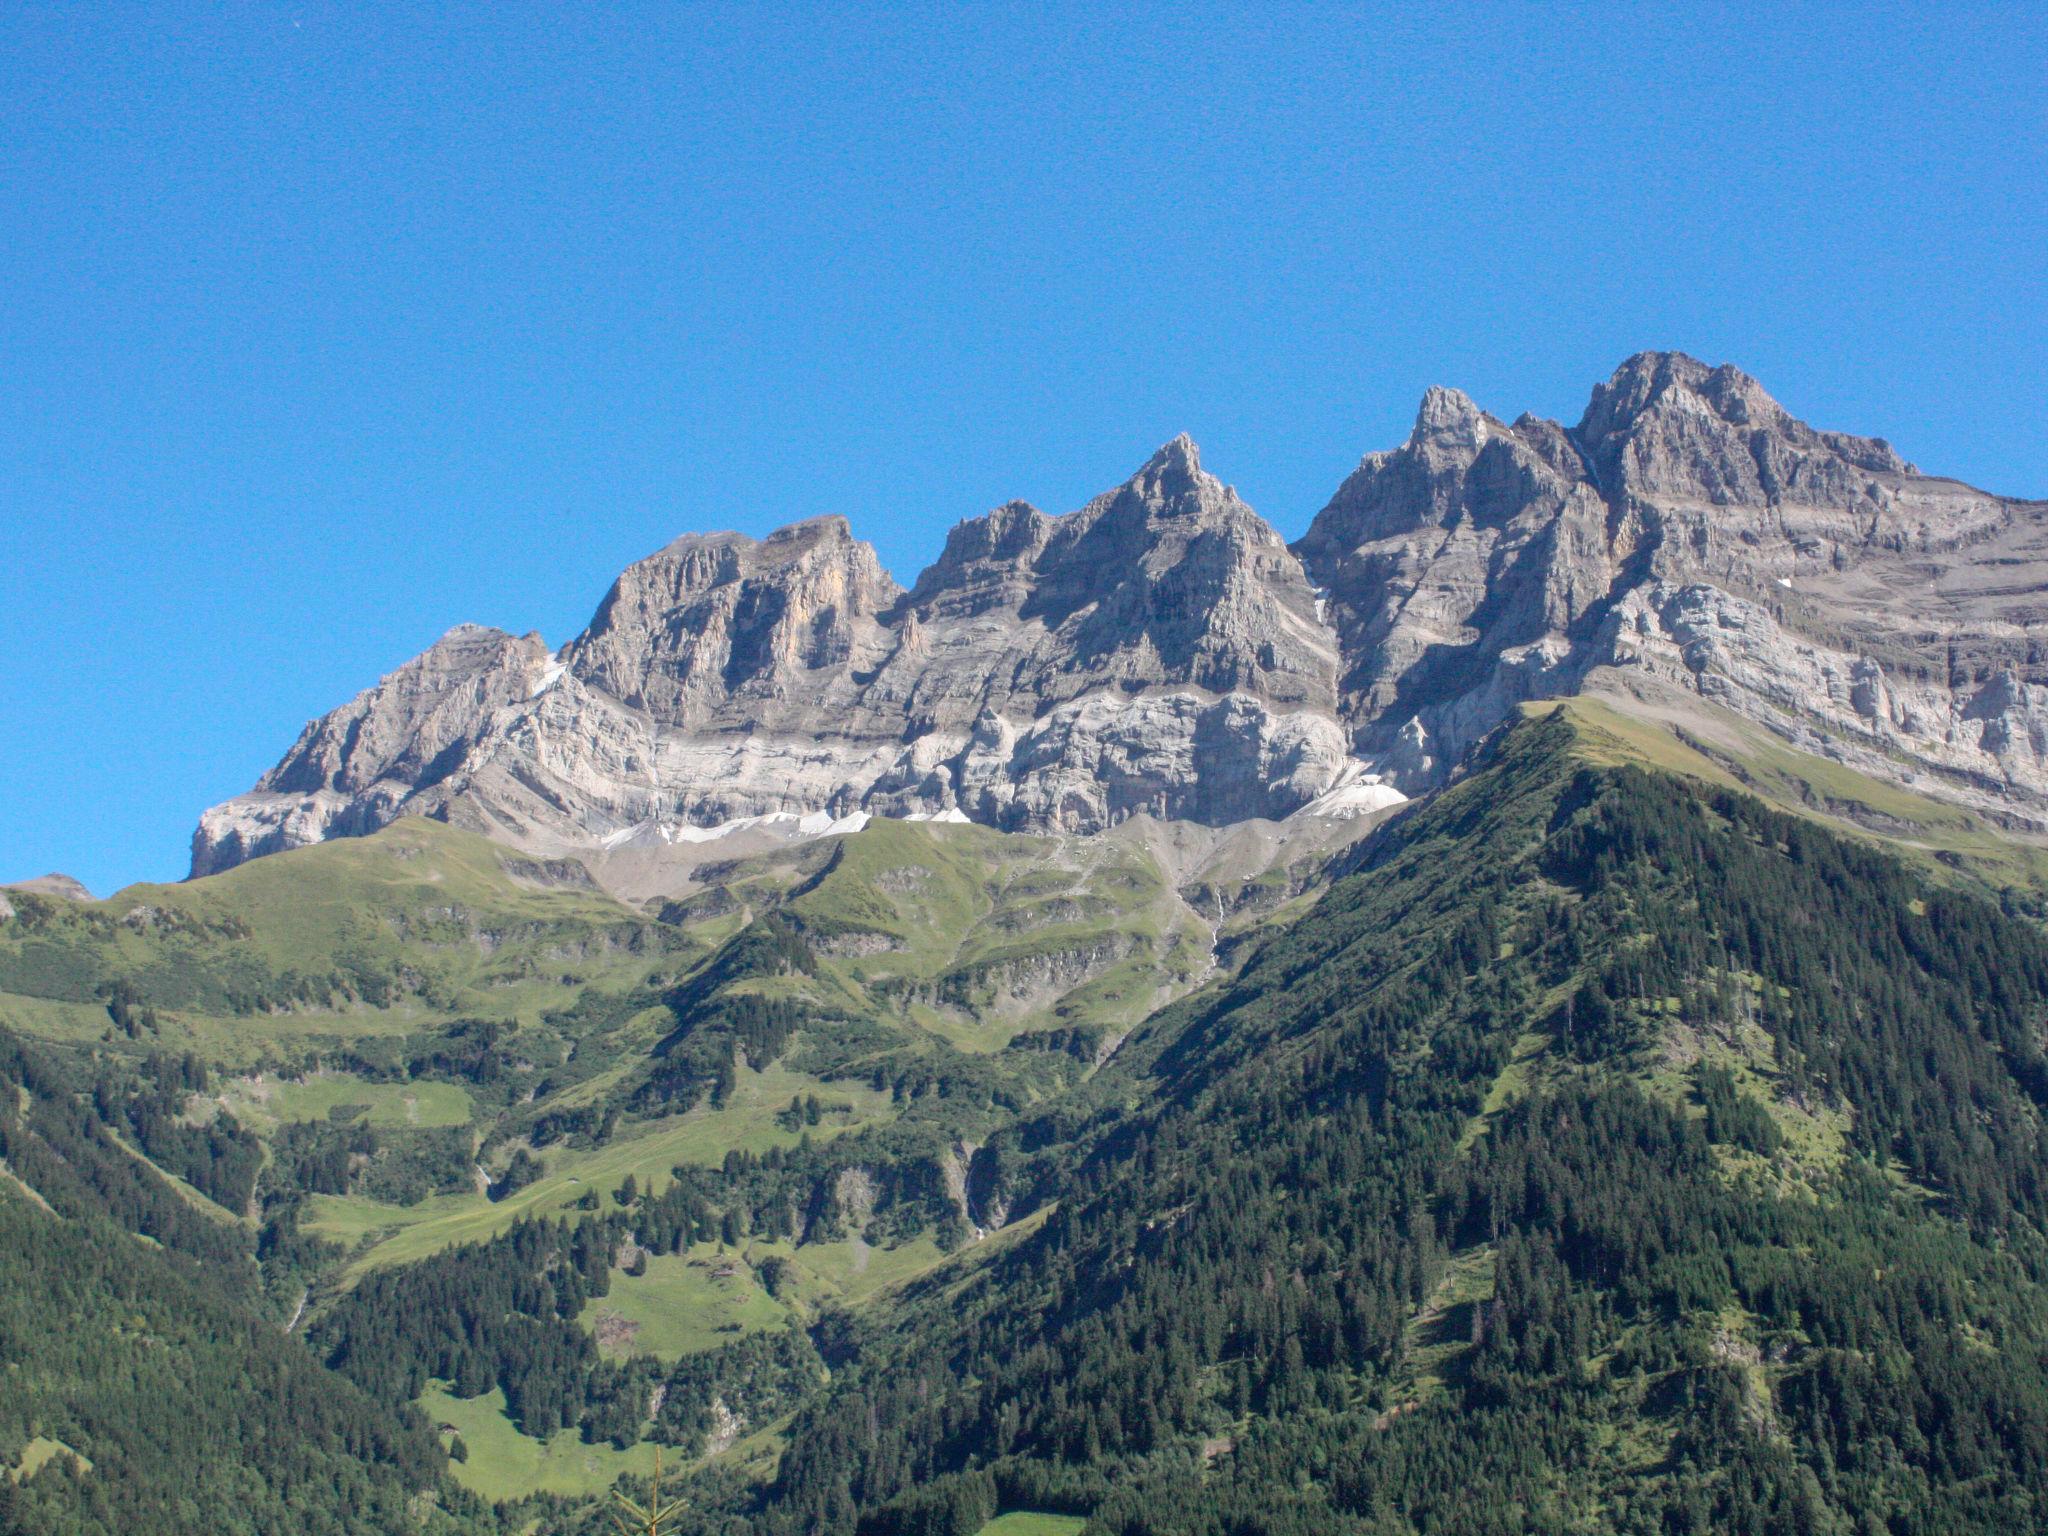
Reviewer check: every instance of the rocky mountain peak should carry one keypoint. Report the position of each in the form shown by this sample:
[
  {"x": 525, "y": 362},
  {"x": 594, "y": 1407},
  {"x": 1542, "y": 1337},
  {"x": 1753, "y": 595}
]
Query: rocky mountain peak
[
  {"x": 987, "y": 560},
  {"x": 1448, "y": 424},
  {"x": 808, "y": 535},
  {"x": 350, "y": 769},
  {"x": 1689, "y": 534},
  {"x": 408, "y": 723},
  {"x": 698, "y": 561},
  {"x": 1173, "y": 476},
  {"x": 705, "y": 618},
  {"x": 1456, "y": 464},
  {"x": 1171, "y": 496},
  {"x": 1161, "y": 650},
  {"x": 1056, "y": 566},
  {"x": 1650, "y": 380},
  {"x": 1671, "y": 426}
]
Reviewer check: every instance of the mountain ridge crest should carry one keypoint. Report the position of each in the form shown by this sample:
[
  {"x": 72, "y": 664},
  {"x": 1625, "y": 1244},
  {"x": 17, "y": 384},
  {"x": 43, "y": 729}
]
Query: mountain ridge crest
[{"x": 1162, "y": 650}]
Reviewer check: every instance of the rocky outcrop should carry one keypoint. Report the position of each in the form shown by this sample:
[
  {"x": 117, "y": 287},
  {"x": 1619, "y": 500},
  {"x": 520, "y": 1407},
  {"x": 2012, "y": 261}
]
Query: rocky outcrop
[
  {"x": 1167, "y": 579},
  {"x": 1689, "y": 534},
  {"x": 1157, "y": 651},
  {"x": 1462, "y": 572},
  {"x": 61, "y": 886},
  {"x": 1162, "y": 652},
  {"x": 405, "y": 744},
  {"x": 719, "y": 632}
]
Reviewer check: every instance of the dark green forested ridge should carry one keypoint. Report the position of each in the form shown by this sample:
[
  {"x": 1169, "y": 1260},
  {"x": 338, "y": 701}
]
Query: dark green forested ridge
[
  {"x": 170, "y": 1404},
  {"x": 1426, "y": 1219}
]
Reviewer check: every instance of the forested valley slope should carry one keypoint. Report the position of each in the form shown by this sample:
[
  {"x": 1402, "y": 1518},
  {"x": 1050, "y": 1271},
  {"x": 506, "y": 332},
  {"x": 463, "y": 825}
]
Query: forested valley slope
[{"x": 1631, "y": 1136}]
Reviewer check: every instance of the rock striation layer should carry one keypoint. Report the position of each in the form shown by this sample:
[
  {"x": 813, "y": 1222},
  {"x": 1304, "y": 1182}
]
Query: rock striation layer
[
  {"x": 1157, "y": 651},
  {"x": 1690, "y": 535},
  {"x": 1162, "y": 651}
]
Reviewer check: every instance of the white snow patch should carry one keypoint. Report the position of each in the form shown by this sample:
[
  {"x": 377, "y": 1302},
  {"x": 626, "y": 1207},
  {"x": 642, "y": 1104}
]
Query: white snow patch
[
  {"x": 1358, "y": 792},
  {"x": 825, "y": 824},
  {"x": 550, "y": 675},
  {"x": 790, "y": 824},
  {"x": 951, "y": 816},
  {"x": 1784, "y": 581}
]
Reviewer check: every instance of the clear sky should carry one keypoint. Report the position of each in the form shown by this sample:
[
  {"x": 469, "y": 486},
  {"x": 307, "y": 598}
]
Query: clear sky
[{"x": 324, "y": 328}]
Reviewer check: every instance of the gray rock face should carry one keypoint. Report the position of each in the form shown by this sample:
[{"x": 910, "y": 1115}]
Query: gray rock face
[
  {"x": 718, "y": 631},
  {"x": 1690, "y": 534},
  {"x": 1162, "y": 652},
  {"x": 61, "y": 886},
  {"x": 1464, "y": 572},
  {"x": 392, "y": 748},
  {"x": 1157, "y": 651}
]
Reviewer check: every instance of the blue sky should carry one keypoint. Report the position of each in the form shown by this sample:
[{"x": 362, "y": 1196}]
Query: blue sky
[{"x": 325, "y": 328}]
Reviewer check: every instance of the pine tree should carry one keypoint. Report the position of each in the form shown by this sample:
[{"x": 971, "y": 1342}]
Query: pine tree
[{"x": 632, "y": 1519}]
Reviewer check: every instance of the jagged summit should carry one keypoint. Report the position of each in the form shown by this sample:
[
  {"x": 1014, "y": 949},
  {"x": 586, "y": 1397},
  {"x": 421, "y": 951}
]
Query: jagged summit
[
  {"x": 1715, "y": 433},
  {"x": 784, "y": 543},
  {"x": 1178, "y": 452},
  {"x": 1675, "y": 383},
  {"x": 1172, "y": 484},
  {"x": 1689, "y": 535},
  {"x": 1447, "y": 419},
  {"x": 1156, "y": 650},
  {"x": 1162, "y": 650},
  {"x": 698, "y": 622},
  {"x": 1175, "y": 472},
  {"x": 1650, "y": 379}
]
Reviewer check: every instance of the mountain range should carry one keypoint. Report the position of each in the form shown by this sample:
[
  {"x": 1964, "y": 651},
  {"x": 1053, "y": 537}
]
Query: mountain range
[
  {"x": 1162, "y": 650},
  {"x": 1525, "y": 1011}
]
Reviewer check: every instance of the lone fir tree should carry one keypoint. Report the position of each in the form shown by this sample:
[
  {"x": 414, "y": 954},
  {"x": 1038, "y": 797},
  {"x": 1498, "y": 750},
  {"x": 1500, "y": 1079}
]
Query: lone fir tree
[{"x": 633, "y": 1519}]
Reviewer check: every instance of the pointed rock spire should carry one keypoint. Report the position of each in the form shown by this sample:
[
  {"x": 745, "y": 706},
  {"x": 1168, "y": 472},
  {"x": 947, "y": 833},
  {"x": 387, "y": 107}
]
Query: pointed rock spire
[
  {"x": 1447, "y": 419},
  {"x": 1173, "y": 478},
  {"x": 1177, "y": 456}
]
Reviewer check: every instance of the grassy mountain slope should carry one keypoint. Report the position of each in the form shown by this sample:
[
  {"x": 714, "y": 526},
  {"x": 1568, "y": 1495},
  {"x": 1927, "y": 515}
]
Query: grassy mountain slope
[
  {"x": 976, "y": 936},
  {"x": 1608, "y": 1150},
  {"x": 361, "y": 1056},
  {"x": 1704, "y": 742},
  {"x": 325, "y": 946}
]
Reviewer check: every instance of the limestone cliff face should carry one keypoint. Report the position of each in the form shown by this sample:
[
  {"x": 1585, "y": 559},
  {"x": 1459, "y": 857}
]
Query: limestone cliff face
[
  {"x": 1158, "y": 651},
  {"x": 1463, "y": 569},
  {"x": 1167, "y": 579},
  {"x": 1689, "y": 533},
  {"x": 392, "y": 746},
  {"x": 1163, "y": 651},
  {"x": 718, "y": 629}
]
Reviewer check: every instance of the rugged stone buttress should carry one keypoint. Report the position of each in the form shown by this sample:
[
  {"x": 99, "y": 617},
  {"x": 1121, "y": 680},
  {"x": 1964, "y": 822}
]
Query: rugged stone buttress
[{"x": 1162, "y": 650}]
